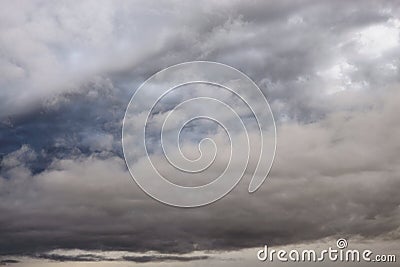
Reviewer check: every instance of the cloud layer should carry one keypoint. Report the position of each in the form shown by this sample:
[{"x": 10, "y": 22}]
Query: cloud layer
[
  {"x": 330, "y": 70},
  {"x": 340, "y": 162}
]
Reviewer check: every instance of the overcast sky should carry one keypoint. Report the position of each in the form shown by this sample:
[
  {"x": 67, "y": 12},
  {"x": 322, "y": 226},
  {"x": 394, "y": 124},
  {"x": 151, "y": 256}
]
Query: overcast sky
[{"x": 329, "y": 69}]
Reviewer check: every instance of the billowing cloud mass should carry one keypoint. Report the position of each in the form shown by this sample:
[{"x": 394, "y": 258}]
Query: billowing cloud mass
[{"x": 329, "y": 69}]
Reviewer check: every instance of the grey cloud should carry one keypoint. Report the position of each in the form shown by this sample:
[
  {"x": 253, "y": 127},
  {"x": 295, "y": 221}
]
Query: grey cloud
[
  {"x": 96, "y": 257},
  {"x": 335, "y": 176},
  {"x": 68, "y": 71},
  {"x": 8, "y": 261},
  {"x": 164, "y": 258},
  {"x": 278, "y": 41},
  {"x": 296, "y": 52}
]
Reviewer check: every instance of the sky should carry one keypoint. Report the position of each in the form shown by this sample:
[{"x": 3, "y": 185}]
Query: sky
[{"x": 330, "y": 73}]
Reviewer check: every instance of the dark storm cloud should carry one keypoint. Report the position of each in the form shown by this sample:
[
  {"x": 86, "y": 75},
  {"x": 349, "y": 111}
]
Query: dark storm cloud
[
  {"x": 139, "y": 259},
  {"x": 86, "y": 122},
  {"x": 333, "y": 177},
  {"x": 7, "y": 261},
  {"x": 280, "y": 42},
  {"x": 164, "y": 258},
  {"x": 72, "y": 85},
  {"x": 67, "y": 72}
]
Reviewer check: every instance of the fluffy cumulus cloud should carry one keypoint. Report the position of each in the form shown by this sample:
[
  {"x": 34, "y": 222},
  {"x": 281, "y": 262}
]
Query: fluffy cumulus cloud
[{"x": 329, "y": 69}]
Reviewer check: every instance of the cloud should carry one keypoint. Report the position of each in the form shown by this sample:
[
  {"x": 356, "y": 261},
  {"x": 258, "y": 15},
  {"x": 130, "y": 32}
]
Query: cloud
[
  {"x": 80, "y": 75},
  {"x": 128, "y": 257},
  {"x": 69, "y": 70},
  {"x": 54, "y": 49},
  {"x": 341, "y": 163},
  {"x": 8, "y": 261}
]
